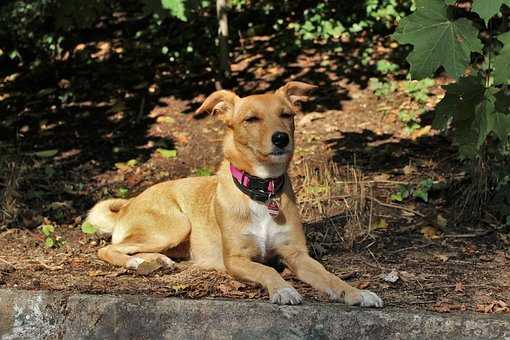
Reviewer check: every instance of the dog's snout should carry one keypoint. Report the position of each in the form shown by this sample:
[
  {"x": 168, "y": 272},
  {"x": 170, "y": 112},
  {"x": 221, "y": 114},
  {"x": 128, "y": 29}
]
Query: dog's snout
[{"x": 280, "y": 139}]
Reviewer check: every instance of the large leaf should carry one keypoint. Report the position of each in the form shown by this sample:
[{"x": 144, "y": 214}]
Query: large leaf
[
  {"x": 460, "y": 102},
  {"x": 164, "y": 8},
  {"x": 503, "y": 100},
  {"x": 437, "y": 39},
  {"x": 471, "y": 134},
  {"x": 486, "y": 9},
  {"x": 502, "y": 126},
  {"x": 502, "y": 61},
  {"x": 484, "y": 117},
  {"x": 502, "y": 116}
]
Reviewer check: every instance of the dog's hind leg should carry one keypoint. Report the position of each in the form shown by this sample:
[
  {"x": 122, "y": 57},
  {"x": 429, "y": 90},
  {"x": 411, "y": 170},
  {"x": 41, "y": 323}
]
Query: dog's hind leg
[{"x": 140, "y": 249}]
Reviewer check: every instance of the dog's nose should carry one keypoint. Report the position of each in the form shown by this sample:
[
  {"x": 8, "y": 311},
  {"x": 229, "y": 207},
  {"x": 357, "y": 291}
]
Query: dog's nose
[{"x": 280, "y": 139}]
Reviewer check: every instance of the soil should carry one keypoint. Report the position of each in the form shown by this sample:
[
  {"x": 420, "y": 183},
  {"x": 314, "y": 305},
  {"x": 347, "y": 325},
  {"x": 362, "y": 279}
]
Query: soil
[{"x": 352, "y": 155}]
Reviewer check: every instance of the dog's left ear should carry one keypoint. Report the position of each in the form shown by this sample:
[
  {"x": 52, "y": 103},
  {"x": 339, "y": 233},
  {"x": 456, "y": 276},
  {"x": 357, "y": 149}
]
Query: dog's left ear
[
  {"x": 295, "y": 91},
  {"x": 221, "y": 102}
]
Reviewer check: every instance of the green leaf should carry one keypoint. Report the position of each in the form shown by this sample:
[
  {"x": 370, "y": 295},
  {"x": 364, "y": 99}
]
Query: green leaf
[
  {"x": 503, "y": 101},
  {"x": 402, "y": 193},
  {"x": 460, "y": 100},
  {"x": 484, "y": 118},
  {"x": 426, "y": 184},
  {"x": 486, "y": 9},
  {"x": 45, "y": 153},
  {"x": 471, "y": 131},
  {"x": 122, "y": 192},
  {"x": 167, "y": 153},
  {"x": 422, "y": 194},
  {"x": 437, "y": 40},
  {"x": 47, "y": 229},
  {"x": 502, "y": 61},
  {"x": 502, "y": 126},
  {"x": 132, "y": 162},
  {"x": 49, "y": 242},
  {"x": 176, "y": 8},
  {"x": 88, "y": 228},
  {"x": 204, "y": 172},
  {"x": 397, "y": 197}
]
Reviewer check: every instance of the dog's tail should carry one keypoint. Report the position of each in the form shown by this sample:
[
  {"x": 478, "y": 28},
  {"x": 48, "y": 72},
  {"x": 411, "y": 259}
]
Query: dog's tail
[{"x": 103, "y": 215}]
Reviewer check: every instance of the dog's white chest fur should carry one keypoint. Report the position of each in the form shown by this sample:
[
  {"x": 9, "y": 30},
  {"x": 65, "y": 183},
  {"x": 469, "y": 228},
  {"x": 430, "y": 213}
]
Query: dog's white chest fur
[{"x": 266, "y": 233}]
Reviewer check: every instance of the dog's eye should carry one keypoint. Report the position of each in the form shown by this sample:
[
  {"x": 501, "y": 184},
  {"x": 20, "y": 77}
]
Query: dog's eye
[
  {"x": 252, "y": 119},
  {"x": 286, "y": 115}
]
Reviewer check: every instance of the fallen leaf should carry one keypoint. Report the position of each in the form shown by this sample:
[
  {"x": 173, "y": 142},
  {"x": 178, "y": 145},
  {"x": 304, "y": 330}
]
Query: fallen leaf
[
  {"x": 470, "y": 249},
  {"x": 165, "y": 120},
  {"x": 497, "y": 306},
  {"x": 126, "y": 165},
  {"x": 421, "y": 132},
  {"x": 45, "y": 153},
  {"x": 409, "y": 169},
  {"x": 380, "y": 225},
  {"x": 448, "y": 307},
  {"x": 363, "y": 284},
  {"x": 182, "y": 138},
  {"x": 406, "y": 276},
  {"x": 442, "y": 257},
  {"x": 179, "y": 287},
  {"x": 441, "y": 221},
  {"x": 167, "y": 153},
  {"x": 382, "y": 177},
  {"x": 391, "y": 277},
  {"x": 430, "y": 233}
]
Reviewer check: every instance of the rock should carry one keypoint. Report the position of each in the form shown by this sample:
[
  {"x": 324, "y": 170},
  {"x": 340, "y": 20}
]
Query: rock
[{"x": 43, "y": 315}]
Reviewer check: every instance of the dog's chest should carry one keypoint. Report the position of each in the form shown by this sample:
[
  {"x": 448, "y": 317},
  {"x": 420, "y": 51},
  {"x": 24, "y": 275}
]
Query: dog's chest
[{"x": 266, "y": 233}]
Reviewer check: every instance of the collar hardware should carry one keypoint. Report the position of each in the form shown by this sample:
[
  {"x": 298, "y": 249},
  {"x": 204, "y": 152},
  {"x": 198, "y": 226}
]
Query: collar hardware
[{"x": 258, "y": 189}]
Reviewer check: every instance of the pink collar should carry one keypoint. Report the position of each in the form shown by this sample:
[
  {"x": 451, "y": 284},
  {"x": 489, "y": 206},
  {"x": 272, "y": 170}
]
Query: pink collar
[{"x": 259, "y": 189}]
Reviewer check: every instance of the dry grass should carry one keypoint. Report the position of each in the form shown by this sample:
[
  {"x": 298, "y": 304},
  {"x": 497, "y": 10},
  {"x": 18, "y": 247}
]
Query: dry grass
[
  {"x": 474, "y": 194},
  {"x": 335, "y": 202},
  {"x": 10, "y": 206}
]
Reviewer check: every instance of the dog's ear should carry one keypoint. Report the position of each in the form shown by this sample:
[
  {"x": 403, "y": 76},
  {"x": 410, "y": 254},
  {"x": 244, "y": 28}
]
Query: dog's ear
[
  {"x": 219, "y": 102},
  {"x": 295, "y": 91}
]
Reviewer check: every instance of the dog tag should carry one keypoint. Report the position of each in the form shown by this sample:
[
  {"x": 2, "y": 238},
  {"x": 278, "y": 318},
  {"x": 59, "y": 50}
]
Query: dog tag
[{"x": 273, "y": 208}]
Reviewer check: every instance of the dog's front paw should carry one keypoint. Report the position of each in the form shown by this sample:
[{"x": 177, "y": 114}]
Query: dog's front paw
[
  {"x": 286, "y": 296},
  {"x": 363, "y": 298}
]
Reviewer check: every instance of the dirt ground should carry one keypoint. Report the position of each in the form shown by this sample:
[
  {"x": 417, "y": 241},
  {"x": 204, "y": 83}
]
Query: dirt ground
[{"x": 351, "y": 155}]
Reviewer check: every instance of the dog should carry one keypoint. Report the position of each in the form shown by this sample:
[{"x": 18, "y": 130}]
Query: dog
[{"x": 236, "y": 220}]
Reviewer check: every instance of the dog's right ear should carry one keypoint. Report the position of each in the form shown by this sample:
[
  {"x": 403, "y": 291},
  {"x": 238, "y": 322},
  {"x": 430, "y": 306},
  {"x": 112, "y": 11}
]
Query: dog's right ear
[{"x": 221, "y": 102}]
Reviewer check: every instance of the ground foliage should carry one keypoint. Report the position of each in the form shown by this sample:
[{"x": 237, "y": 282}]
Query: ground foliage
[
  {"x": 470, "y": 42},
  {"x": 97, "y": 99}
]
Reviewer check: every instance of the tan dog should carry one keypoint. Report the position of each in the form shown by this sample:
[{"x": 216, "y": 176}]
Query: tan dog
[{"x": 235, "y": 220}]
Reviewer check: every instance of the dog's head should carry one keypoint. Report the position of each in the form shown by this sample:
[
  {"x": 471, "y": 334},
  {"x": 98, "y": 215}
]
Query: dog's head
[{"x": 260, "y": 135}]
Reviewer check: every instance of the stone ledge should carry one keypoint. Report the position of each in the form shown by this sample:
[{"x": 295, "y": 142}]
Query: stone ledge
[{"x": 54, "y": 315}]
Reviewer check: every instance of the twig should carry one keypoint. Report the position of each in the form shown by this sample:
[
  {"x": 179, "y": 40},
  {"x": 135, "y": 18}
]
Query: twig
[
  {"x": 50, "y": 267},
  {"x": 6, "y": 262},
  {"x": 389, "y": 205},
  {"x": 345, "y": 276},
  {"x": 140, "y": 111},
  {"x": 416, "y": 302},
  {"x": 373, "y": 181},
  {"x": 412, "y": 248},
  {"x": 373, "y": 256},
  {"x": 473, "y": 235},
  {"x": 466, "y": 285}
]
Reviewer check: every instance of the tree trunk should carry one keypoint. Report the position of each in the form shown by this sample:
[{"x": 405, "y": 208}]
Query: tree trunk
[{"x": 224, "y": 63}]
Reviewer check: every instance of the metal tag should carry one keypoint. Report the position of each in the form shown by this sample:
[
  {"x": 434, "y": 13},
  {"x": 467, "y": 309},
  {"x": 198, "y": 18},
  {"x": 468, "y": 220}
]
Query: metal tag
[{"x": 273, "y": 208}]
